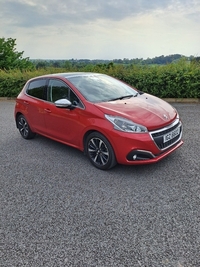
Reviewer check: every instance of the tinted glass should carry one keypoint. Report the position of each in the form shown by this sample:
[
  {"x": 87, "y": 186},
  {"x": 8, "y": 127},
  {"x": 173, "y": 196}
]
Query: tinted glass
[
  {"x": 37, "y": 89},
  {"x": 57, "y": 90},
  {"x": 74, "y": 99},
  {"x": 100, "y": 88}
]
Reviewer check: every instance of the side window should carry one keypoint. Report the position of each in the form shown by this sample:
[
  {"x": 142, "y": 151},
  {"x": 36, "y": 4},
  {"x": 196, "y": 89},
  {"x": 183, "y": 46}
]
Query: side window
[
  {"x": 74, "y": 99},
  {"x": 57, "y": 90},
  {"x": 37, "y": 89}
]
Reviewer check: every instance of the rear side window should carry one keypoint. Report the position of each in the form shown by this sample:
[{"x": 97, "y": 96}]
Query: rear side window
[{"x": 37, "y": 89}]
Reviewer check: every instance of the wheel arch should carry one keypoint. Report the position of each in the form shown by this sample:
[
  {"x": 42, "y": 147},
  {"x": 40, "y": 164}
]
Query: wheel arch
[
  {"x": 85, "y": 138},
  {"x": 105, "y": 162},
  {"x": 97, "y": 131},
  {"x": 16, "y": 117}
]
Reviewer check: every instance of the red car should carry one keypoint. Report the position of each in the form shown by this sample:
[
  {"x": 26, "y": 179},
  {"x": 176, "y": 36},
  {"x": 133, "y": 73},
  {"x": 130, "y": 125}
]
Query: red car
[{"x": 107, "y": 119}]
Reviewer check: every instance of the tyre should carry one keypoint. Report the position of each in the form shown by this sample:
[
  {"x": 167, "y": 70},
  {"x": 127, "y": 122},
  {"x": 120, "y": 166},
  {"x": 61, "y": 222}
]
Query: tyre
[
  {"x": 100, "y": 151},
  {"x": 24, "y": 128}
]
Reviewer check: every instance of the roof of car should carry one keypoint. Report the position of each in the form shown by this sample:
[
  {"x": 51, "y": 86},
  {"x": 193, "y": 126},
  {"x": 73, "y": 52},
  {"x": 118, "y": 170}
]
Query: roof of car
[{"x": 70, "y": 74}]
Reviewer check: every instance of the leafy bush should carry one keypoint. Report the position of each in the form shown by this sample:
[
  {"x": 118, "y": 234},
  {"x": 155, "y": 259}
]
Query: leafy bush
[
  {"x": 12, "y": 81},
  {"x": 12, "y": 59},
  {"x": 175, "y": 80}
]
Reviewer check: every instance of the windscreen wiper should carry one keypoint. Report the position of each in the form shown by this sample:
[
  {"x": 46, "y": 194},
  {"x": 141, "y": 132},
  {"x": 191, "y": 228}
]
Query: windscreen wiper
[
  {"x": 121, "y": 97},
  {"x": 136, "y": 94}
]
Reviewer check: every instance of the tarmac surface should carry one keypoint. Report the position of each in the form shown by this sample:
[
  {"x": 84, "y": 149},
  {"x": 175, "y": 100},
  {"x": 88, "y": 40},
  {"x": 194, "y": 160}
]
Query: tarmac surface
[{"x": 57, "y": 210}]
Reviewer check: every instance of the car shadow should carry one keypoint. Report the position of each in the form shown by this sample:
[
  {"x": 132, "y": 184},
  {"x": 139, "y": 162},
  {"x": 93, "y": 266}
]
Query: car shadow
[{"x": 61, "y": 151}]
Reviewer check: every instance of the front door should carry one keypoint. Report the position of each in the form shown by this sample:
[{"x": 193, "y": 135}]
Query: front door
[{"x": 62, "y": 124}]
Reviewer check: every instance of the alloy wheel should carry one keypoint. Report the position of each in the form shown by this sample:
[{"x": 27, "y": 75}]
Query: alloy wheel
[
  {"x": 98, "y": 151},
  {"x": 23, "y": 127}
]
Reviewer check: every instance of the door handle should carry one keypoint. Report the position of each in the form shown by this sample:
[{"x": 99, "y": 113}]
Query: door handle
[
  {"x": 26, "y": 102},
  {"x": 47, "y": 110}
]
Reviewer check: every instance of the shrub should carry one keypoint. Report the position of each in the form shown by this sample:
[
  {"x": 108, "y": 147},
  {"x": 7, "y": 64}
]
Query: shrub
[{"x": 175, "y": 80}]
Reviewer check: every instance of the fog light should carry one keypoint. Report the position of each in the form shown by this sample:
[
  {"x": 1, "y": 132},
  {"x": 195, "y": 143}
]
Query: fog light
[{"x": 134, "y": 157}]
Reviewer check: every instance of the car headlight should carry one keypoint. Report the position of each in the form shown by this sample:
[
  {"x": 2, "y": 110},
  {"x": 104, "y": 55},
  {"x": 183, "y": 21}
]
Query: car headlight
[
  {"x": 177, "y": 115},
  {"x": 125, "y": 125}
]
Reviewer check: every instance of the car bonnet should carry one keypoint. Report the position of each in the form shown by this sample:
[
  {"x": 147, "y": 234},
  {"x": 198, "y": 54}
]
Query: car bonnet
[{"x": 144, "y": 109}]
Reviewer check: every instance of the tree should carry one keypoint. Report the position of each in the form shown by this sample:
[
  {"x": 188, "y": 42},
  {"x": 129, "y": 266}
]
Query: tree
[{"x": 10, "y": 58}]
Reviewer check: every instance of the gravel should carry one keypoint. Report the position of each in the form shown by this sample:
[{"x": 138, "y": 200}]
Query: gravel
[{"x": 58, "y": 210}]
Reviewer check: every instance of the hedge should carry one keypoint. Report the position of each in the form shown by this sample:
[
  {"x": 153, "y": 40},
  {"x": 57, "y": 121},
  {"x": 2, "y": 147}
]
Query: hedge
[{"x": 175, "y": 80}]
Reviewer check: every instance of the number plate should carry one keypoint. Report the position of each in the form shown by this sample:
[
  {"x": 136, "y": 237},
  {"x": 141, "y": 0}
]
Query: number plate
[{"x": 169, "y": 136}]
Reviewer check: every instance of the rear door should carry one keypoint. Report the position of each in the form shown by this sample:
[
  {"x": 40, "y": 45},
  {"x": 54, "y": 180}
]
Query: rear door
[{"x": 34, "y": 102}]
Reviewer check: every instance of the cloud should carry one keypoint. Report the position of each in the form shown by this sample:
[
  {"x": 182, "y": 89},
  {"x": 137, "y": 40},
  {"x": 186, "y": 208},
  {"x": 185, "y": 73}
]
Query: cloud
[
  {"x": 27, "y": 13},
  {"x": 102, "y": 29},
  {"x": 40, "y": 13}
]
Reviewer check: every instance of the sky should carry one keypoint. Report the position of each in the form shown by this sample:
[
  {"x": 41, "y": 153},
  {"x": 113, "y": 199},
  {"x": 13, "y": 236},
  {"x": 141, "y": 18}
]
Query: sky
[{"x": 102, "y": 29}]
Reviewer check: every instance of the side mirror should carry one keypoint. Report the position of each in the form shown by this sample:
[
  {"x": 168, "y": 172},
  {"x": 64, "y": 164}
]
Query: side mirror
[{"x": 63, "y": 103}]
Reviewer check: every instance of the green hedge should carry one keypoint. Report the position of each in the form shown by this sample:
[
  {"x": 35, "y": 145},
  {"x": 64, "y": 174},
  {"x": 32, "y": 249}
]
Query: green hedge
[
  {"x": 175, "y": 80},
  {"x": 12, "y": 82}
]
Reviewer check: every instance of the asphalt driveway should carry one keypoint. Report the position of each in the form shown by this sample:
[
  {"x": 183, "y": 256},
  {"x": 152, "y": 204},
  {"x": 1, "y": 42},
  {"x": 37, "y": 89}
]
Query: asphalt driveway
[{"x": 58, "y": 210}]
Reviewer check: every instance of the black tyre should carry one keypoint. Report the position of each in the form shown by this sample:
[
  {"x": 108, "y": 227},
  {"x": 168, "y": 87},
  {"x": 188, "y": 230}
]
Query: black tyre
[
  {"x": 24, "y": 128},
  {"x": 100, "y": 151}
]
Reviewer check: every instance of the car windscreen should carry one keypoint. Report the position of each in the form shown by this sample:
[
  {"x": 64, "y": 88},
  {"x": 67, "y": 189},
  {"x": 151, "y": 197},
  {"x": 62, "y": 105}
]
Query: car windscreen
[{"x": 101, "y": 88}]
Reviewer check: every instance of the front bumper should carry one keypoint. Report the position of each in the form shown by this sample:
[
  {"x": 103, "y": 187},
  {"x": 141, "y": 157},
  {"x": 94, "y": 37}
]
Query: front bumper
[
  {"x": 138, "y": 157},
  {"x": 146, "y": 148}
]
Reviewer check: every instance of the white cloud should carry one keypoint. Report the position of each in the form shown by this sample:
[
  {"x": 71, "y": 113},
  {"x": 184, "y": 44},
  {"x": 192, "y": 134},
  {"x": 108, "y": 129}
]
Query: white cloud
[{"x": 107, "y": 29}]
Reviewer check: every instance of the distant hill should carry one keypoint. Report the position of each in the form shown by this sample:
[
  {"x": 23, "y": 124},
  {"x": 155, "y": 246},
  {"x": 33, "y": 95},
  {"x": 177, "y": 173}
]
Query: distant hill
[{"x": 160, "y": 60}]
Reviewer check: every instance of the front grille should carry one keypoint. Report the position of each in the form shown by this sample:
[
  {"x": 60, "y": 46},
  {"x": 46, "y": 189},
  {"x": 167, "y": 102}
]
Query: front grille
[{"x": 158, "y": 136}]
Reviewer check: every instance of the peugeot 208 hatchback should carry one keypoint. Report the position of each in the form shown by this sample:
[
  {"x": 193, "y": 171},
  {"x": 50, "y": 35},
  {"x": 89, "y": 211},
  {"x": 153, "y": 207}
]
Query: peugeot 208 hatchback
[{"x": 109, "y": 120}]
